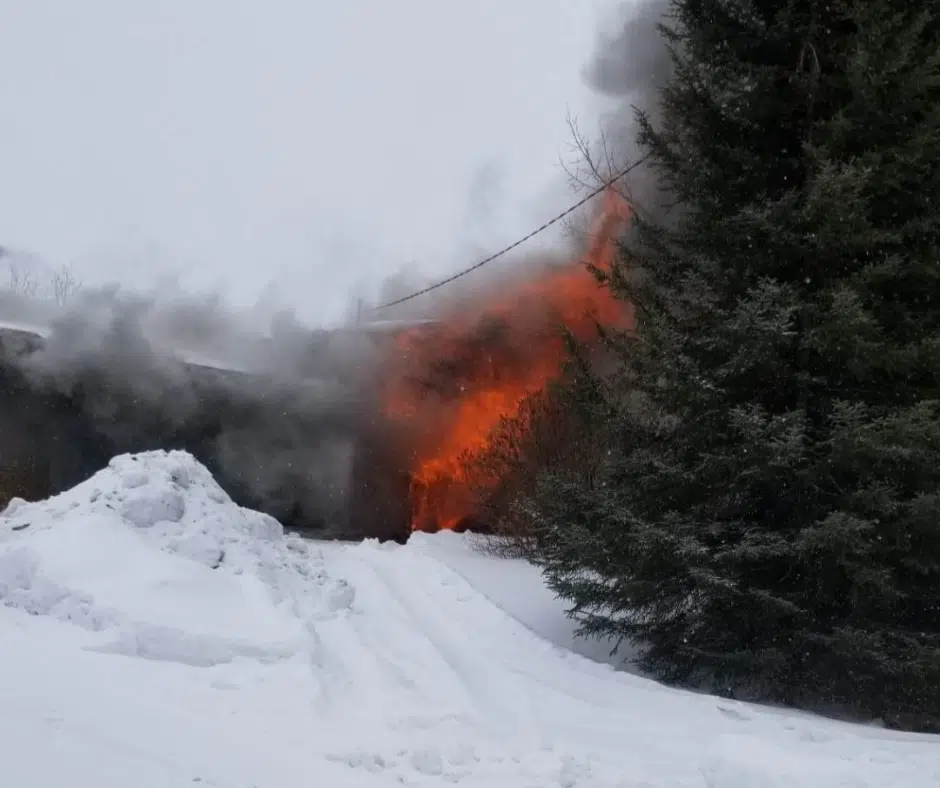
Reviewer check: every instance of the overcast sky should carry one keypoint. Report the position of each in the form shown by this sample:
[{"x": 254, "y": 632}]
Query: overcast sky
[{"x": 312, "y": 147}]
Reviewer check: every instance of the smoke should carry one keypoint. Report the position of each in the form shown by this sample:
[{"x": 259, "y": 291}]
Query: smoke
[
  {"x": 275, "y": 407},
  {"x": 630, "y": 65},
  {"x": 279, "y": 412},
  {"x": 633, "y": 61},
  {"x": 628, "y": 68},
  {"x": 270, "y": 405},
  {"x": 487, "y": 189}
]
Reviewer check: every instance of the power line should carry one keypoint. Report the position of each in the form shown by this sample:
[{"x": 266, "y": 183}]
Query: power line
[{"x": 567, "y": 212}]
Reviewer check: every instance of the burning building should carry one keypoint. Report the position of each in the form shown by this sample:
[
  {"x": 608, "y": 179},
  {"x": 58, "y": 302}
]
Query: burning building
[
  {"x": 447, "y": 386},
  {"x": 359, "y": 432}
]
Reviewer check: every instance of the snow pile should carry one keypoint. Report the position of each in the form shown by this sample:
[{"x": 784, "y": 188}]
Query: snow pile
[{"x": 152, "y": 554}]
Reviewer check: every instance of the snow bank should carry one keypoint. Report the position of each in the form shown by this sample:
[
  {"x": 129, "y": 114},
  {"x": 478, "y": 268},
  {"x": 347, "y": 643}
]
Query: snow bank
[
  {"x": 155, "y": 557},
  {"x": 155, "y": 634}
]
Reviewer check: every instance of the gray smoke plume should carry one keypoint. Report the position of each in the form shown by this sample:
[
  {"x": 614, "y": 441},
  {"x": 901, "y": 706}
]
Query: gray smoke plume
[
  {"x": 273, "y": 408},
  {"x": 632, "y": 62},
  {"x": 630, "y": 66}
]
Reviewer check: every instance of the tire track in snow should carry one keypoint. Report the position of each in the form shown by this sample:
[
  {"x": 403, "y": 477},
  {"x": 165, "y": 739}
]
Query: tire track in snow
[
  {"x": 513, "y": 709},
  {"x": 527, "y": 664},
  {"x": 406, "y": 583},
  {"x": 518, "y": 683},
  {"x": 372, "y": 650},
  {"x": 506, "y": 728}
]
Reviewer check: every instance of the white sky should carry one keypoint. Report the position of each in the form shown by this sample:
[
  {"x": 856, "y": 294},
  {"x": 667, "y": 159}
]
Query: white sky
[{"x": 308, "y": 146}]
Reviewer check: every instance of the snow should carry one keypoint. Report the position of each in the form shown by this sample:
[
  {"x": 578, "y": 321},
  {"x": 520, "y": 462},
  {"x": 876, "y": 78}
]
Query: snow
[
  {"x": 190, "y": 357},
  {"x": 155, "y": 634},
  {"x": 21, "y": 327},
  {"x": 516, "y": 588}
]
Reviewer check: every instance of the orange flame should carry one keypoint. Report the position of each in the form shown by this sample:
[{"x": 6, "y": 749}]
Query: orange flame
[{"x": 494, "y": 354}]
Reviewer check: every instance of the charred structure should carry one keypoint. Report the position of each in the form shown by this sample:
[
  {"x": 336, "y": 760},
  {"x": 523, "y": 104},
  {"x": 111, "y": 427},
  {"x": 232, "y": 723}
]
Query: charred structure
[
  {"x": 358, "y": 432},
  {"x": 314, "y": 462}
]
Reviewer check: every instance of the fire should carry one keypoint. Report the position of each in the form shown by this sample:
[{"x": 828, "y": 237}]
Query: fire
[{"x": 455, "y": 382}]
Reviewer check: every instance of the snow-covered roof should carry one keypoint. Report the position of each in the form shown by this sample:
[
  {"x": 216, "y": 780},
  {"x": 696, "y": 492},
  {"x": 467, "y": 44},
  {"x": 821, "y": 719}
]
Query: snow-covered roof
[{"x": 238, "y": 359}]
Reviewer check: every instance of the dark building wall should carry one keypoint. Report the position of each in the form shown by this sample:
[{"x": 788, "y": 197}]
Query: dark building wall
[
  {"x": 256, "y": 447},
  {"x": 45, "y": 446},
  {"x": 24, "y": 468},
  {"x": 379, "y": 503}
]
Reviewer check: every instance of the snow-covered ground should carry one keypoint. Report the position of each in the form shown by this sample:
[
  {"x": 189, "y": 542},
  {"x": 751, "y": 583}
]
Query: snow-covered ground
[{"x": 155, "y": 635}]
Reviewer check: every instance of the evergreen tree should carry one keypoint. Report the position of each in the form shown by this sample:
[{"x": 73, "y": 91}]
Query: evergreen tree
[{"x": 768, "y": 522}]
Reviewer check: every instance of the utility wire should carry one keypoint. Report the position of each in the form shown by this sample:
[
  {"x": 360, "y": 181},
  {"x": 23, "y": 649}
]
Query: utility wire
[{"x": 567, "y": 212}]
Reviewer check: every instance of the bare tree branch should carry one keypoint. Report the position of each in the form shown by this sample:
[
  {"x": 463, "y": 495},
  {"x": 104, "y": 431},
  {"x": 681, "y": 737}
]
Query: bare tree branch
[
  {"x": 24, "y": 283},
  {"x": 64, "y": 285}
]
